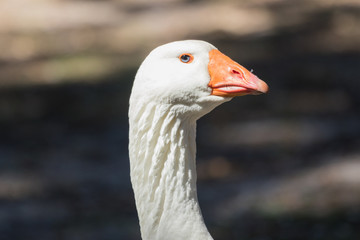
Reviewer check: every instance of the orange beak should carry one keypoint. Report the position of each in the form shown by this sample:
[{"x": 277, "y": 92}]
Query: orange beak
[{"x": 230, "y": 79}]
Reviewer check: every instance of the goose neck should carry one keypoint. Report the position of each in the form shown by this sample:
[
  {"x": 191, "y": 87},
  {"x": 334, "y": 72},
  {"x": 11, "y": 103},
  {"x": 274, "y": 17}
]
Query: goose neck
[{"x": 163, "y": 174}]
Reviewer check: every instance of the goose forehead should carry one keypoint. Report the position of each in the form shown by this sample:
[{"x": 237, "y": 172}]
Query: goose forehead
[{"x": 186, "y": 46}]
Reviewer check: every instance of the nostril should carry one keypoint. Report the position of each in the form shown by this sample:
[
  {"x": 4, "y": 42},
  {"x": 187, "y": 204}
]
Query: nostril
[{"x": 235, "y": 72}]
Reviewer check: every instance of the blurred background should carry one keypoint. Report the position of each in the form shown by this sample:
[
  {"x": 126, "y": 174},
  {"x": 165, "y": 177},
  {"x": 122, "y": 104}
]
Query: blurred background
[{"x": 284, "y": 166}]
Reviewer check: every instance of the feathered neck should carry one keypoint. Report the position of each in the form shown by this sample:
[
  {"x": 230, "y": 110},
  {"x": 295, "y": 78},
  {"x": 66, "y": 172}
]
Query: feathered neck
[{"x": 163, "y": 173}]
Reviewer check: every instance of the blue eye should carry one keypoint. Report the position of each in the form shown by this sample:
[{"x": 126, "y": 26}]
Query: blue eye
[{"x": 186, "y": 58}]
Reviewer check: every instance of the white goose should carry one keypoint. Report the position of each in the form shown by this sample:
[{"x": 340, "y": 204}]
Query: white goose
[{"x": 176, "y": 84}]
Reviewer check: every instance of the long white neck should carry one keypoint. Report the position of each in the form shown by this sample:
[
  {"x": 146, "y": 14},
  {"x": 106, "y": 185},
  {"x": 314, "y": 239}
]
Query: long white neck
[{"x": 163, "y": 174}]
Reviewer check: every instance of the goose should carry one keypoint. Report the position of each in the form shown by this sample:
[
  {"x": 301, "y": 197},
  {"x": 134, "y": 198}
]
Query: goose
[{"x": 175, "y": 85}]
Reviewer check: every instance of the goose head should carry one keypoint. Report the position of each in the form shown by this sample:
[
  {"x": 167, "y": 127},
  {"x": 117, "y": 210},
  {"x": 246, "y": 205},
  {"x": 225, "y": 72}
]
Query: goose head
[{"x": 193, "y": 77}]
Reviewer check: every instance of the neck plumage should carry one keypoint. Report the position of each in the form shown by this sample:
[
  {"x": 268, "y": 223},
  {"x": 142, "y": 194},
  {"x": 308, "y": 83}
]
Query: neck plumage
[{"x": 163, "y": 174}]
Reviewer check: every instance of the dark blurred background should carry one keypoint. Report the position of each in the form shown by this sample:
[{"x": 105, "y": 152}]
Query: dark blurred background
[{"x": 280, "y": 166}]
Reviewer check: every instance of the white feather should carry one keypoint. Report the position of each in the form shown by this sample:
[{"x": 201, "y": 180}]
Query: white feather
[{"x": 167, "y": 98}]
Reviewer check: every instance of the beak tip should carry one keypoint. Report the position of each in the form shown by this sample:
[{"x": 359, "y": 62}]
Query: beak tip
[{"x": 262, "y": 87}]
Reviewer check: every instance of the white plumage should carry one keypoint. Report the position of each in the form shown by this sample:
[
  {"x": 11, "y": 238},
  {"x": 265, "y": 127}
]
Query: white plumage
[{"x": 176, "y": 84}]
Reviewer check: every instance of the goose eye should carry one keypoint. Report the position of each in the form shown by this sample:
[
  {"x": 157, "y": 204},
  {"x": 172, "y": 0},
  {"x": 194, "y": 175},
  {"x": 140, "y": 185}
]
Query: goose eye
[{"x": 186, "y": 58}]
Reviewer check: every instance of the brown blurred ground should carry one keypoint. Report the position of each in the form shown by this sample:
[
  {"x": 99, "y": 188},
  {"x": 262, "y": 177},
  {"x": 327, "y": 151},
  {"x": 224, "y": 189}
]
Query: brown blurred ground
[{"x": 285, "y": 165}]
